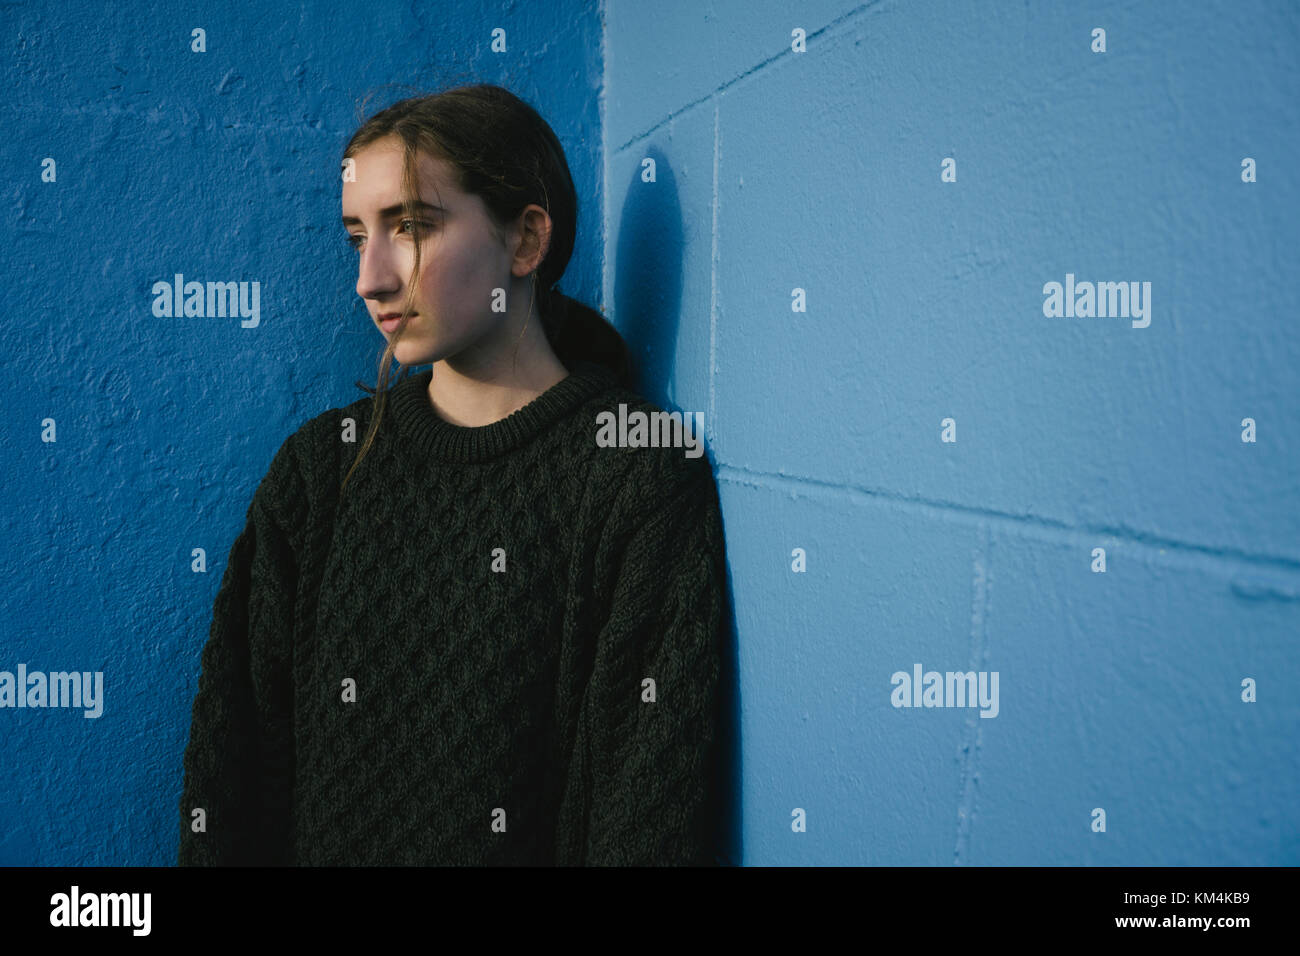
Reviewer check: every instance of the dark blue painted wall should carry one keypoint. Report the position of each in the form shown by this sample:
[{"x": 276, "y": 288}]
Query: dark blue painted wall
[{"x": 220, "y": 166}]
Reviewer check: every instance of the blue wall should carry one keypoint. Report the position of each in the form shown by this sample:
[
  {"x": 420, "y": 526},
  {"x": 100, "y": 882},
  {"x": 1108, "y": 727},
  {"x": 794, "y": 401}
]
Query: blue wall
[
  {"x": 221, "y": 166},
  {"x": 821, "y": 171},
  {"x": 774, "y": 171}
]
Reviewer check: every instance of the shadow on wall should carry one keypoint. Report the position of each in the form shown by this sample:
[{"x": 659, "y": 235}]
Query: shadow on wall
[
  {"x": 648, "y": 309},
  {"x": 648, "y": 280}
]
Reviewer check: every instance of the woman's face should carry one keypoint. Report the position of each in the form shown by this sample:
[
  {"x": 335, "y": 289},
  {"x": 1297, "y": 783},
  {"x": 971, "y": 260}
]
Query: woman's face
[{"x": 461, "y": 261}]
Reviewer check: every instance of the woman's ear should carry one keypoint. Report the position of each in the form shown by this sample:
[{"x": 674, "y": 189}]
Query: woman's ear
[{"x": 535, "y": 239}]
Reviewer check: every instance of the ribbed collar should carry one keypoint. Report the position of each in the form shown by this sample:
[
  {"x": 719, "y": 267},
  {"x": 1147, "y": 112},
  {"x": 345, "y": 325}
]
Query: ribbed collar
[{"x": 433, "y": 437}]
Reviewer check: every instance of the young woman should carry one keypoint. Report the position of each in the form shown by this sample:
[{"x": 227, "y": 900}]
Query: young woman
[{"x": 481, "y": 635}]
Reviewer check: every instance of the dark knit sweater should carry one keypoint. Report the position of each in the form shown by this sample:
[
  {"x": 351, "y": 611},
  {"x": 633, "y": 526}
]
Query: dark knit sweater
[{"x": 499, "y": 716}]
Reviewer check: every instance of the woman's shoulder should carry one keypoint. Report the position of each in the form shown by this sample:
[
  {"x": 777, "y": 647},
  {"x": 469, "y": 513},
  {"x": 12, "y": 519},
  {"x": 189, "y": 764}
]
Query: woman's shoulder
[
  {"x": 310, "y": 458},
  {"x": 335, "y": 426},
  {"x": 645, "y": 456}
]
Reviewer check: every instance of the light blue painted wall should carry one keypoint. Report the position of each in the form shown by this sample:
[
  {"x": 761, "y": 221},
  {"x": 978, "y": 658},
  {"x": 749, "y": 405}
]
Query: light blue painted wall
[{"x": 820, "y": 170}]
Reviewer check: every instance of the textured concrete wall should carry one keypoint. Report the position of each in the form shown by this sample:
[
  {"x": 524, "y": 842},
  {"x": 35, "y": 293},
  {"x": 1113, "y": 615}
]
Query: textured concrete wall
[
  {"x": 774, "y": 171},
  {"x": 221, "y": 166},
  {"x": 923, "y": 301}
]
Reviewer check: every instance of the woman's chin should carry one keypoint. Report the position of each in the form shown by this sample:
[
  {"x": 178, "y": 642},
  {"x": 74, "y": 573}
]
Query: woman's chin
[{"x": 413, "y": 353}]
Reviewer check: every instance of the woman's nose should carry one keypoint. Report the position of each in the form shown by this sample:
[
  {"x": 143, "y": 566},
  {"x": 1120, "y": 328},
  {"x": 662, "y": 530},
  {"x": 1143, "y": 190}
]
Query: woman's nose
[{"x": 376, "y": 276}]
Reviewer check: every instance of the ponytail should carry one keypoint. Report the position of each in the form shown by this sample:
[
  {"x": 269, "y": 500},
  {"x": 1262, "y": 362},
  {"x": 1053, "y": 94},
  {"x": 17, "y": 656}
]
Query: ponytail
[{"x": 578, "y": 332}]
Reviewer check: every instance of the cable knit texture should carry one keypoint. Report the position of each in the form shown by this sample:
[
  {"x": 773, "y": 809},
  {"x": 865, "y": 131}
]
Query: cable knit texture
[{"x": 500, "y": 596}]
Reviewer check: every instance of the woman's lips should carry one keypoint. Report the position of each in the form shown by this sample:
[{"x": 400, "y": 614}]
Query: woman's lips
[{"x": 390, "y": 325}]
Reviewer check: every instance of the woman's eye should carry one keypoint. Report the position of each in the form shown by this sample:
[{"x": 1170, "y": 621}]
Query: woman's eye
[{"x": 406, "y": 224}]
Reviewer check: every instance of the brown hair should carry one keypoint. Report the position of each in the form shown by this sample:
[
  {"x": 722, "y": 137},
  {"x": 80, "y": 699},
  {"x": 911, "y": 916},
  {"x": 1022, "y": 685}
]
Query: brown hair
[{"x": 503, "y": 152}]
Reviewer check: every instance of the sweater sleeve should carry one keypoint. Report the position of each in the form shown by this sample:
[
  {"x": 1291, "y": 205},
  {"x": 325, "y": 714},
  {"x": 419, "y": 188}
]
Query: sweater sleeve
[
  {"x": 239, "y": 760},
  {"x": 643, "y": 782}
]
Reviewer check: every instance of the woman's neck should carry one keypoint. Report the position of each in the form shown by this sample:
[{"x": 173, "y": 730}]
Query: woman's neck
[{"x": 477, "y": 394}]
